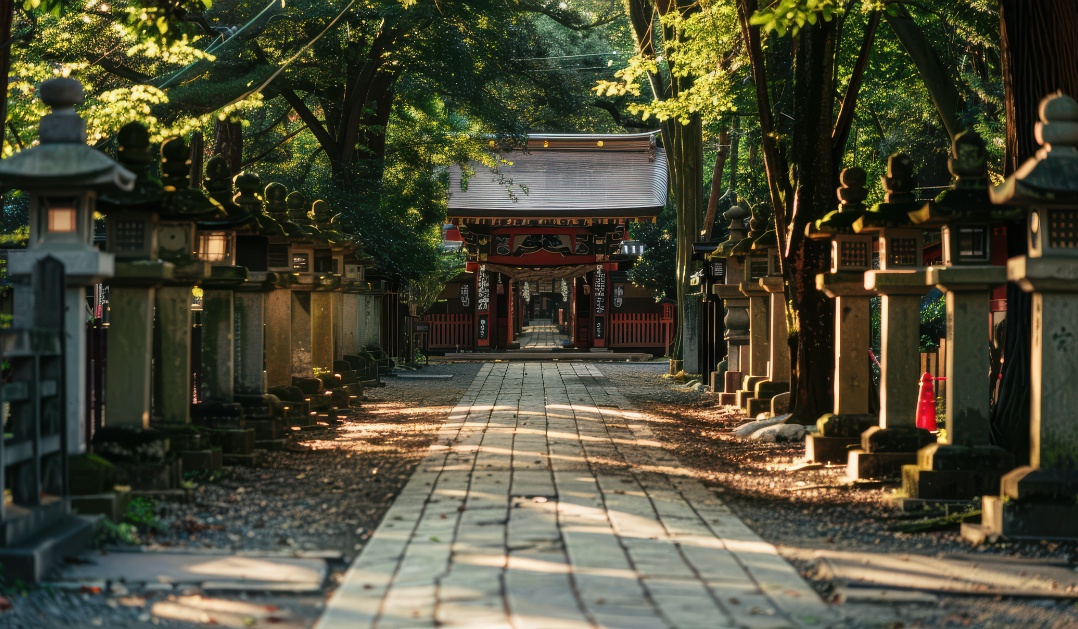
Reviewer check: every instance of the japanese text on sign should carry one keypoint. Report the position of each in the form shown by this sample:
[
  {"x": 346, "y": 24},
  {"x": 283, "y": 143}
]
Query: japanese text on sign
[
  {"x": 482, "y": 297},
  {"x": 600, "y": 290}
]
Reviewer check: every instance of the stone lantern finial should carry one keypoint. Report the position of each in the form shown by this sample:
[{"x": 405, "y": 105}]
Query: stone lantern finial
[
  {"x": 969, "y": 161},
  {"x": 322, "y": 214},
  {"x": 736, "y": 215},
  {"x": 134, "y": 151},
  {"x": 63, "y": 125},
  {"x": 900, "y": 179},
  {"x": 175, "y": 164},
  {"x": 297, "y": 206},
  {"x": 248, "y": 195},
  {"x": 852, "y": 192},
  {"x": 218, "y": 180},
  {"x": 275, "y": 195},
  {"x": 1058, "y": 127}
]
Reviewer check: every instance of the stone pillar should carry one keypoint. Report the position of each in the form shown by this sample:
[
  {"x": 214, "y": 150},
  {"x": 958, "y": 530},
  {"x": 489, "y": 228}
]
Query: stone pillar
[
  {"x": 778, "y": 360},
  {"x": 349, "y": 323},
  {"x": 218, "y": 364},
  {"x": 853, "y": 384},
  {"x": 894, "y": 442},
  {"x": 967, "y": 466},
  {"x": 736, "y": 329},
  {"x": 278, "y": 317},
  {"x": 249, "y": 346},
  {"x": 759, "y": 342},
  {"x": 130, "y": 347},
  {"x": 302, "y": 359},
  {"x": 322, "y": 330},
  {"x": 172, "y": 373}
]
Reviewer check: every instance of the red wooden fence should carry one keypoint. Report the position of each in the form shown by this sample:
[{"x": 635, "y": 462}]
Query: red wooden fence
[
  {"x": 451, "y": 331},
  {"x": 640, "y": 330}
]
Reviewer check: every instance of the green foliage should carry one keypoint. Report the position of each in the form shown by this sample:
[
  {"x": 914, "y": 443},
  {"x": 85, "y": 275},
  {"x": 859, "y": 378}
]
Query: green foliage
[
  {"x": 654, "y": 271},
  {"x": 790, "y": 16}
]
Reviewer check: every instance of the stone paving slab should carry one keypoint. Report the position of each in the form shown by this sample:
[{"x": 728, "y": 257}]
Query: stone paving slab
[{"x": 548, "y": 503}]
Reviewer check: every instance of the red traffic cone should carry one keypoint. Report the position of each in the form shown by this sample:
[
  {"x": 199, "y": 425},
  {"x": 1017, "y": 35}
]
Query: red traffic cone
[{"x": 926, "y": 403}]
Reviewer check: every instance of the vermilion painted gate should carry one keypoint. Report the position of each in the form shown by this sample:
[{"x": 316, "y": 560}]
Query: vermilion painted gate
[
  {"x": 451, "y": 331},
  {"x": 641, "y": 330}
]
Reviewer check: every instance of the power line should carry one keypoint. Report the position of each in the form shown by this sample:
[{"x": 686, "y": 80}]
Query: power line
[{"x": 593, "y": 54}]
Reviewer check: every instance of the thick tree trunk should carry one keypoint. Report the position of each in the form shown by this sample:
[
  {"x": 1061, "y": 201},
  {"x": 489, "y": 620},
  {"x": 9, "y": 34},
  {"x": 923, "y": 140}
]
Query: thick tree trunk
[
  {"x": 1040, "y": 56},
  {"x": 813, "y": 167},
  {"x": 228, "y": 142},
  {"x": 688, "y": 201}
]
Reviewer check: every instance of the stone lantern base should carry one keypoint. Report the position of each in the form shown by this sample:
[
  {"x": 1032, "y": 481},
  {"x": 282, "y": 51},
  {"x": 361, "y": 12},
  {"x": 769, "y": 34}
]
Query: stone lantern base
[
  {"x": 884, "y": 451},
  {"x": 953, "y": 472},
  {"x": 1035, "y": 504},
  {"x": 838, "y": 433}
]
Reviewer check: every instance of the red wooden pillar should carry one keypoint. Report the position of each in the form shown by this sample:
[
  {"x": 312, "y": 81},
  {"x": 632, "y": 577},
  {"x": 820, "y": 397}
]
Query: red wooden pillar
[
  {"x": 483, "y": 318},
  {"x": 511, "y": 305},
  {"x": 600, "y": 305}
]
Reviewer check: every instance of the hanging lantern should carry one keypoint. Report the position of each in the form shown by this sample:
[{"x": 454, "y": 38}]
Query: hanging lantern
[
  {"x": 564, "y": 290},
  {"x": 526, "y": 292}
]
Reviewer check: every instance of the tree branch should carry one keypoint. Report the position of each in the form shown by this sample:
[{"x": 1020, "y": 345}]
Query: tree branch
[
  {"x": 844, "y": 123},
  {"x": 619, "y": 118},
  {"x": 312, "y": 122},
  {"x": 939, "y": 82},
  {"x": 774, "y": 163}
]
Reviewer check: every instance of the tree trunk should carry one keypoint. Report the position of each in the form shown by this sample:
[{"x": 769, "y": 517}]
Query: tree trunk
[
  {"x": 716, "y": 185},
  {"x": 228, "y": 142},
  {"x": 813, "y": 168},
  {"x": 689, "y": 203},
  {"x": 1040, "y": 56}
]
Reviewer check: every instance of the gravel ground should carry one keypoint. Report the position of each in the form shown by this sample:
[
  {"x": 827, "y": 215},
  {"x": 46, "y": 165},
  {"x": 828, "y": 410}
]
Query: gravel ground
[
  {"x": 783, "y": 507},
  {"x": 327, "y": 492}
]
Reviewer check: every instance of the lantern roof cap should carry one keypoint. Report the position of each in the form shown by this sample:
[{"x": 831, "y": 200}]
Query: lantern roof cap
[
  {"x": 851, "y": 195},
  {"x": 899, "y": 199},
  {"x": 968, "y": 196},
  {"x": 1050, "y": 177},
  {"x": 62, "y": 157},
  {"x": 736, "y": 231}
]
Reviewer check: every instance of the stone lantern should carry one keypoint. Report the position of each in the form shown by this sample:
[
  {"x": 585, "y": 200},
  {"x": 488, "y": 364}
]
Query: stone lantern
[
  {"x": 1040, "y": 500},
  {"x": 900, "y": 281},
  {"x": 756, "y": 268},
  {"x": 62, "y": 176},
  {"x": 967, "y": 465},
  {"x": 736, "y": 321},
  {"x": 217, "y": 246},
  {"x": 250, "y": 309},
  {"x": 132, "y": 224},
  {"x": 279, "y": 301},
  {"x": 851, "y": 256},
  {"x": 778, "y": 362},
  {"x": 177, "y": 242}
]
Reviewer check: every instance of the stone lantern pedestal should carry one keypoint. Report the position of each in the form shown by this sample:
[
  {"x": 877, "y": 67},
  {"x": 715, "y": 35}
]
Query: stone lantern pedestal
[
  {"x": 759, "y": 341},
  {"x": 1040, "y": 500},
  {"x": 842, "y": 429},
  {"x": 851, "y": 256},
  {"x": 966, "y": 466},
  {"x": 900, "y": 282},
  {"x": 885, "y": 448},
  {"x": 736, "y": 319}
]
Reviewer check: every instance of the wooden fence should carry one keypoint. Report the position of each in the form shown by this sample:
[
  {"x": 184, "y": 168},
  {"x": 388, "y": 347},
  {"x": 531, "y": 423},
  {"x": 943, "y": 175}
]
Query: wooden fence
[
  {"x": 451, "y": 331},
  {"x": 641, "y": 330}
]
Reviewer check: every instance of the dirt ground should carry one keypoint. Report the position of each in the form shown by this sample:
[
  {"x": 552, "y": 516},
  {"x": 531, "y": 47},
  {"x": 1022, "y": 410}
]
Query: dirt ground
[
  {"x": 327, "y": 492},
  {"x": 809, "y": 510}
]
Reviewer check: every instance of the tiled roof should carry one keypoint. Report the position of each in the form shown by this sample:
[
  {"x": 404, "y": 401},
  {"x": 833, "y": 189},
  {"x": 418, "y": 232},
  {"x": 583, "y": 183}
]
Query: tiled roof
[{"x": 567, "y": 175}]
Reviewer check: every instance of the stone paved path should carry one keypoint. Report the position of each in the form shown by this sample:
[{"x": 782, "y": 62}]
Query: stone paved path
[
  {"x": 541, "y": 334},
  {"x": 546, "y": 503}
]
